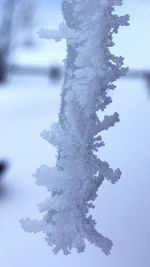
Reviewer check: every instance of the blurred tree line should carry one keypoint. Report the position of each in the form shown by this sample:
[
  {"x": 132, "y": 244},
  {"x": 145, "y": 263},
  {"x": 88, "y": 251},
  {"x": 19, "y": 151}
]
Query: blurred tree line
[{"x": 16, "y": 28}]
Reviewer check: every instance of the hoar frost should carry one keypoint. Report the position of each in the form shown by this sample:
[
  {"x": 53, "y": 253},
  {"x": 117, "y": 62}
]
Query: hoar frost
[{"x": 90, "y": 70}]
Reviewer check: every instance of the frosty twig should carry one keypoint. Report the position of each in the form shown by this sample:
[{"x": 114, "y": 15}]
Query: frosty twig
[{"x": 90, "y": 71}]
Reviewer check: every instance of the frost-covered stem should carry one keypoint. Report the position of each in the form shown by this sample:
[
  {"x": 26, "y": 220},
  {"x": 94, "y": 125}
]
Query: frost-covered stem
[{"x": 90, "y": 71}]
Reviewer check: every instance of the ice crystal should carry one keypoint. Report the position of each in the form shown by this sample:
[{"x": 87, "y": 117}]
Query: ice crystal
[{"x": 90, "y": 70}]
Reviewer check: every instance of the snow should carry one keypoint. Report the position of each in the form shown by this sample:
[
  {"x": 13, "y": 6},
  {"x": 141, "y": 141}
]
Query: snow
[{"x": 29, "y": 105}]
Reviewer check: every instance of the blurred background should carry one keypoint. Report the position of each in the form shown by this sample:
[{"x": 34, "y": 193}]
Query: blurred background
[{"x": 31, "y": 76}]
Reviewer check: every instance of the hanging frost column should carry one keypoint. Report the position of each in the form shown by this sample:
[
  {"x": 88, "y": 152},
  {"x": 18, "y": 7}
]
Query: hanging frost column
[{"x": 90, "y": 71}]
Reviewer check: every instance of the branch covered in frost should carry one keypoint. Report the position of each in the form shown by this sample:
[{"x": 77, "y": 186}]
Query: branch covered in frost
[{"x": 90, "y": 72}]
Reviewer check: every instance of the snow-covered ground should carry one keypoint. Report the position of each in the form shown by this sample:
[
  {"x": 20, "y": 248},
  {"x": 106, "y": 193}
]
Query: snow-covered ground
[{"x": 27, "y": 106}]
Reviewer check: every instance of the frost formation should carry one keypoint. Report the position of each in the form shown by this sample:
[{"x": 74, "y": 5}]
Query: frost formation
[{"x": 90, "y": 70}]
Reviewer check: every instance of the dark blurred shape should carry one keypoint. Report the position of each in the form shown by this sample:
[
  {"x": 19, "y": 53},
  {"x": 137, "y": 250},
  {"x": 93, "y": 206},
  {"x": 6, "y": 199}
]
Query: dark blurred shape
[
  {"x": 5, "y": 36},
  {"x": 15, "y": 69},
  {"x": 55, "y": 73},
  {"x": 147, "y": 78},
  {"x": 3, "y": 67},
  {"x": 138, "y": 74},
  {"x": 16, "y": 16},
  {"x": 3, "y": 168}
]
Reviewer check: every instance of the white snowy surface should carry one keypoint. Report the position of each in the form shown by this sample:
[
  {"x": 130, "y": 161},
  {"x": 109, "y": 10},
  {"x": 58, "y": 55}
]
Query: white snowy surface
[{"x": 29, "y": 105}]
